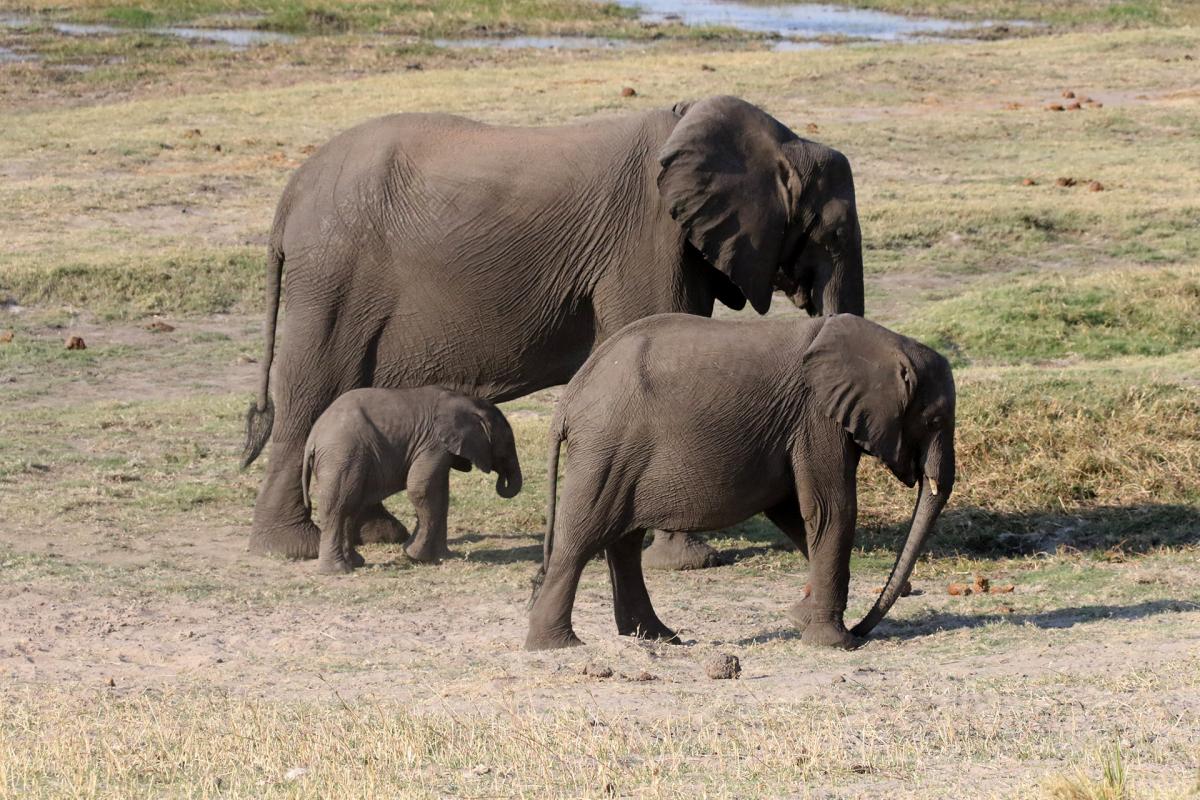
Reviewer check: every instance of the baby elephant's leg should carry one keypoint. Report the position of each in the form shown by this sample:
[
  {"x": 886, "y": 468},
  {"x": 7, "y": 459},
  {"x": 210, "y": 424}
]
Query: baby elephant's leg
[{"x": 429, "y": 491}]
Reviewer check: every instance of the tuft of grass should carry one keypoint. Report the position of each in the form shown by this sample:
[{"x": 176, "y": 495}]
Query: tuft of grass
[
  {"x": 1112, "y": 784},
  {"x": 1102, "y": 315}
]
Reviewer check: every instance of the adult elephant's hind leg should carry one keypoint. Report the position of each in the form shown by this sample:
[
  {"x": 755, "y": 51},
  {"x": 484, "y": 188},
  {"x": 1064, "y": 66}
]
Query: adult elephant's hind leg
[
  {"x": 631, "y": 602},
  {"x": 380, "y": 527},
  {"x": 550, "y": 618},
  {"x": 282, "y": 526},
  {"x": 679, "y": 551}
]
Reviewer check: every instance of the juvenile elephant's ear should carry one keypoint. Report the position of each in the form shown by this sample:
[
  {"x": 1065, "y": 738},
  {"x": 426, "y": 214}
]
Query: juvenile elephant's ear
[
  {"x": 460, "y": 428},
  {"x": 724, "y": 180},
  {"x": 858, "y": 374}
]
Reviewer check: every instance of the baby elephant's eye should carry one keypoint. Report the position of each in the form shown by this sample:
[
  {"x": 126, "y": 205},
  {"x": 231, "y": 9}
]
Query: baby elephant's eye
[{"x": 936, "y": 421}]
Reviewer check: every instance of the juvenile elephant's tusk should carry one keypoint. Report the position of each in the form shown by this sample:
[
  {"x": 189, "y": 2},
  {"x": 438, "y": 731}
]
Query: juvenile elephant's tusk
[{"x": 933, "y": 486}]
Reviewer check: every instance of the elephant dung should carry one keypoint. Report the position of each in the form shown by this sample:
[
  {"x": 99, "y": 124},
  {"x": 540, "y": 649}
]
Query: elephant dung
[
  {"x": 76, "y": 343},
  {"x": 1095, "y": 186},
  {"x": 158, "y": 326},
  {"x": 6, "y": 337},
  {"x": 982, "y": 585},
  {"x": 628, "y": 91},
  {"x": 959, "y": 589},
  {"x": 598, "y": 670},
  {"x": 723, "y": 666}
]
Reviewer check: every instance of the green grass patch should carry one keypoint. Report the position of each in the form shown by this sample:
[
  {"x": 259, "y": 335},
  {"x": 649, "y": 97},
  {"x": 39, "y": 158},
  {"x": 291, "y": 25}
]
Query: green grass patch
[
  {"x": 1103, "y": 315},
  {"x": 191, "y": 282}
]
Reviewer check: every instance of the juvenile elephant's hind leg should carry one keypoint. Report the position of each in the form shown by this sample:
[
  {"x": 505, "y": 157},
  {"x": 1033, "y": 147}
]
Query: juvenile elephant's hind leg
[
  {"x": 337, "y": 556},
  {"x": 786, "y": 517},
  {"x": 380, "y": 527},
  {"x": 631, "y": 602},
  {"x": 679, "y": 551}
]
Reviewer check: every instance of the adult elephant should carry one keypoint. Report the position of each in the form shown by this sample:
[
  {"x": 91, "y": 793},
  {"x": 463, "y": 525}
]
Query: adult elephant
[{"x": 428, "y": 249}]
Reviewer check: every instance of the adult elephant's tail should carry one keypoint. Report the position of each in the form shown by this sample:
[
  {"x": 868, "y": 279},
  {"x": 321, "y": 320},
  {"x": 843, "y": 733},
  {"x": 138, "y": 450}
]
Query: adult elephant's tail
[
  {"x": 261, "y": 416},
  {"x": 558, "y": 435}
]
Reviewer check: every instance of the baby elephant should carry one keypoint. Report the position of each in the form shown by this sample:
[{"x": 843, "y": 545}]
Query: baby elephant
[
  {"x": 371, "y": 443},
  {"x": 682, "y": 423}
]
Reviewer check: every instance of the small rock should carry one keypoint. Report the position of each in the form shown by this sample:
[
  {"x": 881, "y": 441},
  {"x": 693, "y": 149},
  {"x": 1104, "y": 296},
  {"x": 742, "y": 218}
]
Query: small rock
[
  {"x": 6, "y": 337},
  {"x": 642, "y": 677},
  {"x": 158, "y": 326},
  {"x": 1005, "y": 589},
  {"x": 1065, "y": 182},
  {"x": 958, "y": 589},
  {"x": 112, "y": 683},
  {"x": 76, "y": 343},
  {"x": 194, "y": 133},
  {"x": 217, "y": 147},
  {"x": 628, "y": 91},
  {"x": 723, "y": 666},
  {"x": 1055, "y": 107},
  {"x": 1029, "y": 182},
  {"x": 707, "y": 68},
  {"x": 1095, "y": 186},
  {"x": 295, "y": 773},
  {"x": 598, "y": 670},
  {"x": 414, "y": 66},
  {"x": 812, "y": 127},
  {"x": 1074, "y": 107},
  {"x": 1067, "y": 93}
]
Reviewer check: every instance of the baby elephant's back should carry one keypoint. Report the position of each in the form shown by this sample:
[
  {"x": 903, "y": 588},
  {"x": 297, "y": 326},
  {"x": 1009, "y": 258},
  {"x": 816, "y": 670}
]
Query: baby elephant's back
[{"x": 369, "y": 417}]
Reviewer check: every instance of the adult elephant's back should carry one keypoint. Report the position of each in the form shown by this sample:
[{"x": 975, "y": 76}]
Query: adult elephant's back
[{"x": 431, "y": 249}]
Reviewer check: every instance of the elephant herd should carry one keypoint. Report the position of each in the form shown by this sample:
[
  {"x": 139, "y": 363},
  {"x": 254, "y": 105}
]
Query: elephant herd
[{"x": 437, "y": 265}]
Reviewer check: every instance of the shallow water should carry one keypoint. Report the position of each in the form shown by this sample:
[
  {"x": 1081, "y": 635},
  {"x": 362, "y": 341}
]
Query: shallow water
[
  {"x": 234, "y": 37},
  {"x": 538, "y": 43},
  {"x": 794, "y": 20},
  {"x": 10, "y": 56}
]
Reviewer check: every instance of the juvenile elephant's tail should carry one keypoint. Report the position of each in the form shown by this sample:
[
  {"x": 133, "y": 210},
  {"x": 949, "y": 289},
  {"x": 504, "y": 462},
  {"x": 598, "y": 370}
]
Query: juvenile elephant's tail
[
  {"x": 261, "y": 416},
  {"x": 558, "y": 434}
]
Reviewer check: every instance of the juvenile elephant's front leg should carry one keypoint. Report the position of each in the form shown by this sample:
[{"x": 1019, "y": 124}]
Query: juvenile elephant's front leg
[
  {"x": 828, "y": 502},
  {"x": 429, "y": 491},
  {"x": 786, "y": 517}
]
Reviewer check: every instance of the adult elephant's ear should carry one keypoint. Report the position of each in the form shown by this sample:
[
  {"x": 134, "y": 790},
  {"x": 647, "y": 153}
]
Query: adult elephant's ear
[
  {"x": 857, "y": 373},
  {"x": 461, "y": 430},
  {"x": 724, "y": 179}
]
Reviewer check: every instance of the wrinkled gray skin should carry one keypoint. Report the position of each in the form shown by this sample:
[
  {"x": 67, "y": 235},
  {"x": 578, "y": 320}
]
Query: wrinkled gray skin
[
  {"x": 427, "y": 249},
  {"x": 372, "y": 443},
  {"x": 687, "y": 424}
]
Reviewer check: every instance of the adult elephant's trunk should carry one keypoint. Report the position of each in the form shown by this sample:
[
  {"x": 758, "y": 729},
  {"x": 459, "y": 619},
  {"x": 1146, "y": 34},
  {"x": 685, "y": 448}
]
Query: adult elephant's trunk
[
  {"x": 508, "y": 478},
  {"x": 939, "y": 469}
]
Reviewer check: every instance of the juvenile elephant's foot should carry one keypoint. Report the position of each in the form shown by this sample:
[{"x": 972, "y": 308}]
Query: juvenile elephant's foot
[
  {"x": 830, "y": 634},
  {"x": 296, "y": 541},
  {"x": 678, "y": 551},
  {"x": 335, "y": 566},
  {"x": 551, "y": 640},
  {"x": 377, "y": 526},
  {"x": 428, "y": 554}
]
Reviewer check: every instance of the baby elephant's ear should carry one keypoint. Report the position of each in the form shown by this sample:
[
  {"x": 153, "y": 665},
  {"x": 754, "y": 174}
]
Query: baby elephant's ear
[{"x": 461, "y": 429}]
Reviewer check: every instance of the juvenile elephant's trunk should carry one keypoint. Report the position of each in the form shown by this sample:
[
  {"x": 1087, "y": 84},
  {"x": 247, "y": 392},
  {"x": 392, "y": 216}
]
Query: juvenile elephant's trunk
[
  {"x": 930, "y": 502},
  {"x": 508, "y": 478}
]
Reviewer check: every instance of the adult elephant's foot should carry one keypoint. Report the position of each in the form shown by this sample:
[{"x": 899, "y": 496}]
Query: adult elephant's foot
[
  {"x": 300, "y": 540},
  {"x": 551, "y": 640},
  {"x": 830, "y": 634},
  {"x": 377, "y": 526},
  {"x": 801, "y": 613},
  {"x": 678, "y": 551},
  {"x": 655, "y": 632}
]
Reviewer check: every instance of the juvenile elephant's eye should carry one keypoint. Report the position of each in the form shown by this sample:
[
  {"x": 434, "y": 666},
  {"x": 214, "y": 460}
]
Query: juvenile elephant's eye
[{"x": 936, "y": 421}]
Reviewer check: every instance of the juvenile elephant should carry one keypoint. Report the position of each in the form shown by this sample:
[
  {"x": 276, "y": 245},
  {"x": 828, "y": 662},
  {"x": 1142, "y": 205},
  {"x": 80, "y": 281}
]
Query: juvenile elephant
[
  {"x": 428, "y": 249},
  {"x": 688, "y": 424},
  {"x": 372, "y": 443}
]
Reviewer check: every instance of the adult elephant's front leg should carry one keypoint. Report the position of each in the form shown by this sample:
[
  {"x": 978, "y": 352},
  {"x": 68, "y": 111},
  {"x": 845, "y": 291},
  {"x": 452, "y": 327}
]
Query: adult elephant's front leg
[{"x": 679, "y": 551}]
